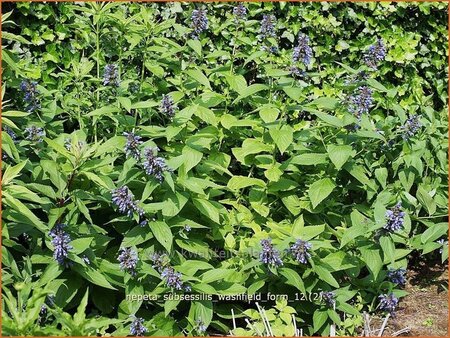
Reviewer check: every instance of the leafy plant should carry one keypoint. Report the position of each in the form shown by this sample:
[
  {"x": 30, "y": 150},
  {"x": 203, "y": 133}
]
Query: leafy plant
[{"x": 160, "y": 157}]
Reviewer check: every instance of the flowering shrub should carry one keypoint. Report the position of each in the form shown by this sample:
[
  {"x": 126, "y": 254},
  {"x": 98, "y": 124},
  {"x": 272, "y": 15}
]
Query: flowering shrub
[{"x": 158, "y": 158}]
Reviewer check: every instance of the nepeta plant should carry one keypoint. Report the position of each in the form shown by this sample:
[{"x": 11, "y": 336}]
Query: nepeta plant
[
  {"x": 303, "y": 52},
  {"x": 167, "y": 107},
  {"x": 361, "y": 101},
  {"x": 199, "y": 22},
  {"x": 111, "y": 76},
  {"x": 328, "y": 297},
  {"x": 375, "y": 54},
  {"x": 278, "y": 170},
  {"x": 388, "y": 303},
  {"x": 397, "y": 276},
  {"x": 137, "y": 327},
  {"x": 124, "y": 199},
  {"x": 35, "y": 134},
  {"x": 61, "y": 244},
  {"x": 395, "y": 218},
  {"x": 154, "y": 165},
  {"x": 411, "y": 126},
  {"x": 268, "y": 26},
  {"x": 30, "y": 94},
  {"x": 128, "y": 259},
  {"x": 240, "y": 12},
  {"x": 269, "y": 255},
  {"x": 132, "y": 145},
  {"x": 300, "y": 251}
]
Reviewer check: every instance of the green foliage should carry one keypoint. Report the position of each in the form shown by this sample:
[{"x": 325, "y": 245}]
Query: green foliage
[{"x": 251, "y": 152}]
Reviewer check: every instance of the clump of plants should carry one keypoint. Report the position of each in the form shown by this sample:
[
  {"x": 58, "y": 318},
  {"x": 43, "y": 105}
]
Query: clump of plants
[{"x": 160, "y": 161}]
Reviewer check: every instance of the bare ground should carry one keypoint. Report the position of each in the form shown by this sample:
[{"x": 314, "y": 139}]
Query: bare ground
[{"x": 425, "y": 309}]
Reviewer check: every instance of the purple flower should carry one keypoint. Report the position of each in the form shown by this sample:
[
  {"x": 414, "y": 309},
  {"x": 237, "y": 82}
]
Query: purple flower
[
  {"x": 153, "y": 165},
  {"x": 388, "y": 303},
  {"x": 199, "y": 22},
  {"x": 375, "y": 54},
  {"x": 397, "y": 276},
  {"x": 60, "y": 241},
  {"x": 29, "y": 88},
  {"x": 297, "y": 72},
  {"x": 159, "y": 261},
  {"x": 172, "y": 278},
  {"x": 137, "y": 327},
  {"x": 411, "y": 126},
  {"x": 124, "y": 199},
  {"x": 11, "y": 133},
  {"x": 303, "y": 52},
  {"x": 35, "y": 134},
  {"x": 128, "y": 259},
  {"x": 268, "y": 24},
  {"x": 328, "y": 297},
  {"x": 300, "y": 251},
  {"x": 200, "y": 326},
  {"x": 42, "y": 314},
  {"x": 167, "y": 106},
  {"x": 132, "y": 145},
  {"x": 395, "y": 218},
  {"x": 360, "y": 102},
  {"x": 269, "y": 255},
  {"x": 239, "y": 12},
  {"x": 111, "y": 76}
]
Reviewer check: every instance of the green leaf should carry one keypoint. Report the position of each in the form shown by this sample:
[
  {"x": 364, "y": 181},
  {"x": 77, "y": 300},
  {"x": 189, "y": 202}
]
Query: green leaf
[
  {"x": 93, "y": 276},
  {"x": 236, "y": 82},
  {"x": 375, "y": 84},
  {"x": 388, "y": 247},
  {"x": 359, "y": 228},
  {"x": 372, "y": 257},
  {"x": 202, "y": 311},
  {"x": 207, "y": 208},
  {"x": 339, "y": 154},
  {"x": 136, "y": 236},
  {"x": 196, "y": 46},
  {"x": 240, "y": 182},
  {"x": 282, "y": 137},
  {"x": 434, "y": 232},
  {"x": 14, "y": 113},
  {"x": 80, "y": 315},
  {"x": 381, "y": 175},
  {"x": 81, "y": 244},
  {"x": 293, "y": 278},
  {"x": 162, "y": 234},
  {"x": 319, "y": 319},
  {"x": 269, "y": 113},
  {"x": 198, "y": 76},
  {"x": 125, "y": 102},
  {"x": 191, "y": 158},
  {"x": 309, "y": 159},
  {"x": 327, "y": 103},
  {"x": 21, "y": 208},
  {"x": 251, "y": 90},
  {"x": 426, "y": 200},
  {"x": 320, "y": 190},
  {"x": 326, "y": 276},
  {"x": 331, "y": 120},
  {"x": 12, "y": 172},
  {"x": 293, "y": 92}
]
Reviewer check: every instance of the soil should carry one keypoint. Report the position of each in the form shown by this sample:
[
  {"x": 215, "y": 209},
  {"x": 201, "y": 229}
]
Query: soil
[{"x": 425, "y": 309}]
